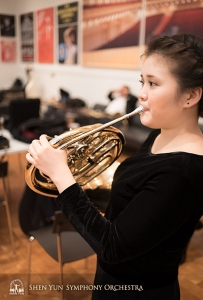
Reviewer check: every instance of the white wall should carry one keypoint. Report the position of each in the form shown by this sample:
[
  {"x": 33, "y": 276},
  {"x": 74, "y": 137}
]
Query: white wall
[{"x": 90, "y": 84}]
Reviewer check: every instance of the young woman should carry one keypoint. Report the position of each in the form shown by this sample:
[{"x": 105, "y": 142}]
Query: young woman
[{"x": 156, "y": 197}]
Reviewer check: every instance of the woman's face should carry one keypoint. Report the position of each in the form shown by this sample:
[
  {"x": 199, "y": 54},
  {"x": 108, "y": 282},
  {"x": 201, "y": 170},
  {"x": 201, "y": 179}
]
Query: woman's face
[{"x": 159, "y": 96}]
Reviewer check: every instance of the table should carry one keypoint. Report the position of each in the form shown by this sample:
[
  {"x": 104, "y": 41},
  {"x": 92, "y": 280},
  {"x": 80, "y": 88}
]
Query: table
[{"x": 15, "y": 145}]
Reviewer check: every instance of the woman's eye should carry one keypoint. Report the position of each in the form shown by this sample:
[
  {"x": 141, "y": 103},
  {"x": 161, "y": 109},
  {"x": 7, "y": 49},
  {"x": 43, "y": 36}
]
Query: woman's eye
[{"x": 152, "y": 83}]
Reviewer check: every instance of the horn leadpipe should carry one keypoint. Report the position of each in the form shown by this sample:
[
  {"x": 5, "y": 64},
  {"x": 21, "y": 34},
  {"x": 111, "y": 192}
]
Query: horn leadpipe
[{"x": 56, "y": 139}]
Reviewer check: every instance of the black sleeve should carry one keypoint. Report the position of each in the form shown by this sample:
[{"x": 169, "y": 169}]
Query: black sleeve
[
  {"x": 154, "y": 214},
  {"x": 110, "y": 96}
]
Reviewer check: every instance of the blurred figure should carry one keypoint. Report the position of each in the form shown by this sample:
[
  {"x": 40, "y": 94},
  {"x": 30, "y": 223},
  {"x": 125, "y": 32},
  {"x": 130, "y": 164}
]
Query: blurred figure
[
  {"x": 32, "y": 90},
  {"x": 122, "y": 102}
]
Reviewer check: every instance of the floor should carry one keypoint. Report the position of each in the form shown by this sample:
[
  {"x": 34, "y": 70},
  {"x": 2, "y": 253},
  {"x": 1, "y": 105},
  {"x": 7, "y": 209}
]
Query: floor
[{"x": 78, "y": 278}]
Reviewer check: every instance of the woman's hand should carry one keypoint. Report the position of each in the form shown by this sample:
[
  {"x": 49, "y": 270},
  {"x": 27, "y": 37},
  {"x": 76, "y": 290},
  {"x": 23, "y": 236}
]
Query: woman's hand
[{"x": 50, "y": 161}]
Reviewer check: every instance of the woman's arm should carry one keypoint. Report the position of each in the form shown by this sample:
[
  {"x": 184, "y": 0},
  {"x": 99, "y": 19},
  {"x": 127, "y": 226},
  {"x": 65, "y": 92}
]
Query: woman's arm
[
  {"x": 150, "y": 218},
  {"x": 154, "y": 214}
]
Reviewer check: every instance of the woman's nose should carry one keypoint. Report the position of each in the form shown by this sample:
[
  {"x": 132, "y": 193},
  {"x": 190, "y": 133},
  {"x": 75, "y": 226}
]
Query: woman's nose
[{"x": 142, "y": 96}]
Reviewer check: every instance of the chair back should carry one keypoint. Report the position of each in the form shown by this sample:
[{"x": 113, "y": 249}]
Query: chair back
[
  {"x": 21, "y": 110},
  {"x": 3, "y": 168},
  {"x": 61, "y": 223}
]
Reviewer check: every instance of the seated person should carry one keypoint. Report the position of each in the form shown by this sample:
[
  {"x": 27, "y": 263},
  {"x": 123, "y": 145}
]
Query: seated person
[{"x": 122, "y": 102}]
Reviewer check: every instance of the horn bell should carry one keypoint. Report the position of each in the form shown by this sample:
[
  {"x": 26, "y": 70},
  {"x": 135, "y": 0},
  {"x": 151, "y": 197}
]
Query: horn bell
[{"x": 90, "y": 151}]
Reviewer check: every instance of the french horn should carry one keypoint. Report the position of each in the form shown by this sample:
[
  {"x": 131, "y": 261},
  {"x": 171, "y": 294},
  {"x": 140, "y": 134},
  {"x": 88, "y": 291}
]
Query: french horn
[{"x": 90, "y": 149}]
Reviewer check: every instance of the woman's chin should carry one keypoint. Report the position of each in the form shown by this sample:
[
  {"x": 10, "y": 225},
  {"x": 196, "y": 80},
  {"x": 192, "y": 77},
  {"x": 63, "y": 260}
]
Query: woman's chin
[
  {"x": 145, "y": 121},
  {"x": 149, "y": 123}
]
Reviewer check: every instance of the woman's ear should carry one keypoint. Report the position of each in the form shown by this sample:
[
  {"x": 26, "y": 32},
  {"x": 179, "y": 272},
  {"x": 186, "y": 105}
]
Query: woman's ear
[{"x": 193, "y": 97}]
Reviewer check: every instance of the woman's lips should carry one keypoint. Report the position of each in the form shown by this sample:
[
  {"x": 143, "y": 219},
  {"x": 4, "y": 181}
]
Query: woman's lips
[{"x": 145, "y": 109}]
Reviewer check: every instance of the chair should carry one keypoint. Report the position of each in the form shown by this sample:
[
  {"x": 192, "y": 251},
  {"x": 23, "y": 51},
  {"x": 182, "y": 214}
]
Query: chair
[
  {"x": 4, "y": 201},
  {"x": 61, "y": 241},
  {"x": 99, "y": 107},
  {"x": 21, "y": 110}
]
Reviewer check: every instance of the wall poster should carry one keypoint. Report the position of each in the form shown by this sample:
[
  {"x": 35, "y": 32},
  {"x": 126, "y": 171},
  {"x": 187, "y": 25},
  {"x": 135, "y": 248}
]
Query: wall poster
[
  {"x": 115, "y": 32},
  {"x": 45, "y": 35},
  {"x": 173, "y": 18},
  {"x": 68, "y": 33},
  {"x": 8, "y": 50},
  {"x": 111, "y": 33},
  {"x": 7, "y": 25},
  {"x": 27, "y": 37}
]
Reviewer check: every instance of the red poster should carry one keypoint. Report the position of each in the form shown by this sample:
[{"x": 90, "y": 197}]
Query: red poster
[
  {"x": 8, "y": 51},
  {"x": 45, "y": 35}
]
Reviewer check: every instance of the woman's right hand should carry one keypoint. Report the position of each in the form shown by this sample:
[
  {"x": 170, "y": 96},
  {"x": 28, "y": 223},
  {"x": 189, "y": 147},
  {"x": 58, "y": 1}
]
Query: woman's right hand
[{"x": 50, "y": 161}]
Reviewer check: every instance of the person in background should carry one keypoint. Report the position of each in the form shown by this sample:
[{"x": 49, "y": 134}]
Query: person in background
[
  {"x": 156, "y": 196},
  {"x": 122, "y": 102}
]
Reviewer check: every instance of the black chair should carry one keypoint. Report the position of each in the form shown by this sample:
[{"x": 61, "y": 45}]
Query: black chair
[
  {"x": 75, "y": 103},
  {"x": 99, "y": 107},
  {"x": 21, "y": 110},
  {"x": 61, "y": 242}
]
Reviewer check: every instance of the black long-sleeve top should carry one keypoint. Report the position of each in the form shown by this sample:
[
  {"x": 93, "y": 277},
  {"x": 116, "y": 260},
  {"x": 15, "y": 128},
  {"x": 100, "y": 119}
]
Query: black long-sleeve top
[{"x": 156, "y": 201}]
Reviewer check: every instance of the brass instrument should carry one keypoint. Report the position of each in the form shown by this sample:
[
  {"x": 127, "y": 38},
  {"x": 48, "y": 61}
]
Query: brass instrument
[{"x": 90, "y": 150}]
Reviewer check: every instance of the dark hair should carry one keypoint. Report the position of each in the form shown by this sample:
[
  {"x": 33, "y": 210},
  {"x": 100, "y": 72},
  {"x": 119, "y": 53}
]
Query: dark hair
[{"x": 185, "y": 52}]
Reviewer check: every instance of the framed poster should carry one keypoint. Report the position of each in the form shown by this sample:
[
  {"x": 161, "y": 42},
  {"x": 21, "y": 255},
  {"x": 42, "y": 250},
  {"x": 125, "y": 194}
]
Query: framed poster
[
  {"x": 68, "y": 33},
  {"x": 174, "y": 19},
  {"x": 115, "y": 32},
  {"x": 27, "y": 37},
  {"x": 45, "y": 35},
  {"x": 111, "y": 34},
  {"x": 8, "y": 50},
  {"x": 7, "y": 25}
]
